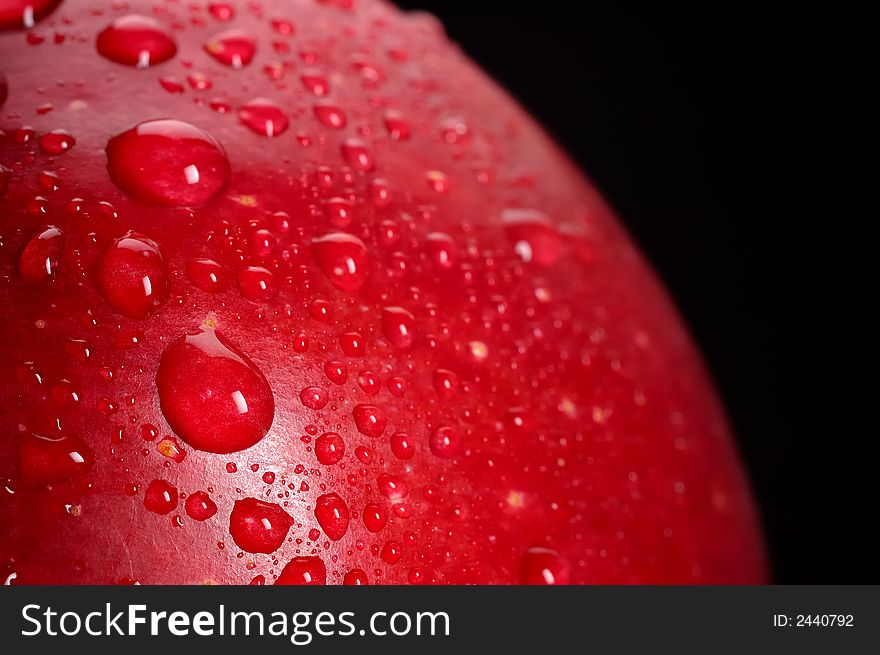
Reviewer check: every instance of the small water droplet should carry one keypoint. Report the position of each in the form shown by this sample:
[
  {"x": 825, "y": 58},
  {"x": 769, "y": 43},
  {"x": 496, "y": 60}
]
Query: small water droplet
[
  {"x": 352, "y": 344},
  {"x": 315, "y": 83},
  {"x": 392, "y": 487},
  {"x": 212, "y": 395},
  {"x": 168, "y": 163},
  {"x": 257, "y": 526},
  {"x": 136, "y": 40},
  {"x": 222, "y": 11}
]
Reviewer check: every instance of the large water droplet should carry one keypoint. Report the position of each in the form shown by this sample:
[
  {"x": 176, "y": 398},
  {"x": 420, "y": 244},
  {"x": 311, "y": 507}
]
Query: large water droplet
[
  {"x": 136, "y": 40},
  {"x": 132, "y": 275},
  {"x": 232, "y": 47},
  {"x": 15, "y": 14},
  {"x": 263, "y": 117},
  {"x": 168, "y": 163},
  {"x": 212, "y": 395},
  {"x": 44, "y": 460},
  {"x": 369, "y": 420},
  {"x": 303, "y": 571},
  {"x": 542, "y": 566},
  {"x": 257, "y": 526},
  {"x": 342, "y": 258},
  {"x": 333, "y": 516},
  {"x": 534, "y": 237},
  {"x": 39, "y": 259}
]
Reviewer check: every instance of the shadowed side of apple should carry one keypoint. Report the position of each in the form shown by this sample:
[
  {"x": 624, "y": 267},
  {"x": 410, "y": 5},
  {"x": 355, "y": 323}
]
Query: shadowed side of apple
[{"x": 294, "y": 294}]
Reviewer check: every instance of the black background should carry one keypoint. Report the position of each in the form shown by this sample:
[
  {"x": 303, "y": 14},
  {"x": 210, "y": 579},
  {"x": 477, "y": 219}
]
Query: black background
[{"x": 733, "y": 142}]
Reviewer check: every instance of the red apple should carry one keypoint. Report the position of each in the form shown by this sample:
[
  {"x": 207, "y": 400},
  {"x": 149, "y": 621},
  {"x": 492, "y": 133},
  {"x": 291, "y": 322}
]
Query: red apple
[{"x": 293, "y": 293}]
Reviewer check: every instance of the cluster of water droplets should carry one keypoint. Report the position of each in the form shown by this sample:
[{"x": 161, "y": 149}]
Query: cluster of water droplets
[{"x": 354, "y": 229}]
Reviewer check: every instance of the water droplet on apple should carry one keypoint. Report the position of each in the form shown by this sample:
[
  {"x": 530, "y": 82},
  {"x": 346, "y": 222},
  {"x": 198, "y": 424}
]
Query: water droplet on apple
[
  {"x": 542, "y": 566},
  {"x": 136, "y": 40},
  {"x": 168, "y": 163},
  {"x": 375, "y": 517},
  {"x": 57, "y": 142},
  {"x": 357, "y": 155},
  {"x": 39, "y": 259},
  {"x": 257, "y": 526},
  {"x": 232, "y": 48},
  {"x": 212, "y": 395},
  {"x": 330, "y": 115},
  {"x": 333, "y": 516},
  {"x": 206, "y": 275},
  {"x": 329, "y": 448},
  {"x": 132, "y": 276},
  {"x": 44, "y": 459},
  {"x": 314, "y": 397},
  {"x": 263, "y": 117},
  {"x": 343, "y": 259},
  {"x": 369, "y": 419},
  {"x": 402, "y": 446},
  {"x": 303, "y": 571},
  {"x": 444, "y": 442},
  {"x": 398, "y": 325},
  {"x": 161, "y": 497},
  {"x": 534, "y": 237},
  {"x": 199, "y": 506}
]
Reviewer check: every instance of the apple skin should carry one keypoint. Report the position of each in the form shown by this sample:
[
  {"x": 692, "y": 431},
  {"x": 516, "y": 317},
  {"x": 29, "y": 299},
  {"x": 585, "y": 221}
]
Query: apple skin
[{"x": 517, "y": 398}]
